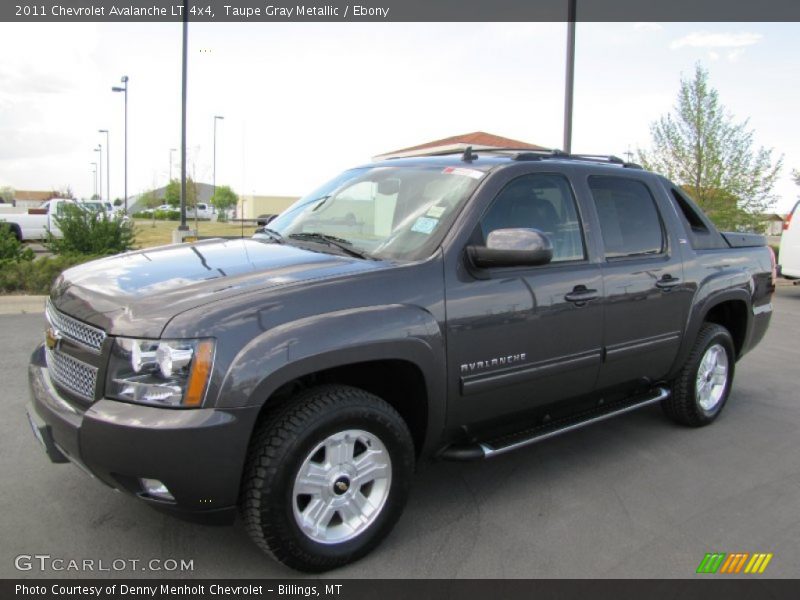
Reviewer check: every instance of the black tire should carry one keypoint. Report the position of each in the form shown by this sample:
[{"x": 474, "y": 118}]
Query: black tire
[
  {"x": 684, "y": 406},
  {"x": 281, "y": 444}
]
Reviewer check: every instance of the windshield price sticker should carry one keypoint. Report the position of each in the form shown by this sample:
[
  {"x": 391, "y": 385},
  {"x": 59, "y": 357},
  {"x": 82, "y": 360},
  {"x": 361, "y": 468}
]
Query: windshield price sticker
[{"x": 473, "y": 173}]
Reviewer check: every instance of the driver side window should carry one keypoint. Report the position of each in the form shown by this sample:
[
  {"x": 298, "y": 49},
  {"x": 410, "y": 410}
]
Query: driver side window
[{"x": 540, "y": 201}]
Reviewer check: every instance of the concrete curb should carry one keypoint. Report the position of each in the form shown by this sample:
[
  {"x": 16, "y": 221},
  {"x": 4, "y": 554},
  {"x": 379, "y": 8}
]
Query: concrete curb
[{"x": 21, "y": 305}]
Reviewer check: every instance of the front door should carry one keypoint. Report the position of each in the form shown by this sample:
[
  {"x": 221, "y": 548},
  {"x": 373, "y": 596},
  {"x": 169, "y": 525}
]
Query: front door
[{"x": 520, "y": 338}]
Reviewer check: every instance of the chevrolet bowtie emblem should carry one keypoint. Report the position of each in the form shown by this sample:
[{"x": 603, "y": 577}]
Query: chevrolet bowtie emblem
[{"x": 52, "y": 337}]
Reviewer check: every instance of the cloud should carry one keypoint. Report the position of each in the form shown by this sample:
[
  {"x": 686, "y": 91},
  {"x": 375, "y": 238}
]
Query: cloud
[
  {"x": 647, "y": 26},
  {"x": 703, "y": 39}
]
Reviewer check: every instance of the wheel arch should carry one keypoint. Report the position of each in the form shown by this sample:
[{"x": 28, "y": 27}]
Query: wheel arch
[
  {"x": 395, "y": 352},
  {"x": 730, "y": 308}
]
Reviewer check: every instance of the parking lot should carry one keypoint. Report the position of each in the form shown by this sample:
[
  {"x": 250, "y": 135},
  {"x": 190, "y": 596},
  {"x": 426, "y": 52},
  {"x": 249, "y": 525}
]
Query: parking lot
[{"x": 632, "y": 497}]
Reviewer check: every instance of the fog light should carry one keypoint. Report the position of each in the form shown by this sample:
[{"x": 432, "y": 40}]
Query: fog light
[{"x": 156, "y": 489}]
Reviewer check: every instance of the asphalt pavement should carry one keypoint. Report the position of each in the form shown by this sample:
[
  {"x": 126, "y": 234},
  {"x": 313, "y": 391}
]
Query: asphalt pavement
[{"x": 636, "y": 496}]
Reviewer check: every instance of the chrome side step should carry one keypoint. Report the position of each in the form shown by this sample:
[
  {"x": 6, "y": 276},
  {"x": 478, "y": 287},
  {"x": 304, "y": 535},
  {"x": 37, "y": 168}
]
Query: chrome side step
[{"x": 491, "y": 448}]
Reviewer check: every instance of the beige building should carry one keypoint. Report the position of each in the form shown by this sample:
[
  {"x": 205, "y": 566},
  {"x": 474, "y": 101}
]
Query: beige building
[{"x": 250, "y": 207}]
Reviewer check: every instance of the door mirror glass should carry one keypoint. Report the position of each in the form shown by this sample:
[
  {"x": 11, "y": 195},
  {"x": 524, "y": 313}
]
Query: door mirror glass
[{"x": 516, "y": 247}]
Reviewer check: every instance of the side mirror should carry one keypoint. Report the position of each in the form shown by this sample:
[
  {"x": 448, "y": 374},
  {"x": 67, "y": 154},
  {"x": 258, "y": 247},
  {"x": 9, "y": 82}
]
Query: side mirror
[{"x": 512, "y": 248}]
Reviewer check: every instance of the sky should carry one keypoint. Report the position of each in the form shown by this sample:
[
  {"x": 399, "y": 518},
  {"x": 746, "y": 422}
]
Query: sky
[{"x": 303, "y": 101}]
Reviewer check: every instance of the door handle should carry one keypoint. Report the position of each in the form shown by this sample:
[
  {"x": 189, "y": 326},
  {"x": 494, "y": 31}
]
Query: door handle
[
  {"x": 580, "y": 295},
  {"x": 667, "y": 282}
]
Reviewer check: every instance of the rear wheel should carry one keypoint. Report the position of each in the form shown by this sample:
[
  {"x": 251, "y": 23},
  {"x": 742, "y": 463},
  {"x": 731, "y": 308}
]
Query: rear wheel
[
  {"x": 702, "y": 387},
  {"x": 327, "y": 477}
]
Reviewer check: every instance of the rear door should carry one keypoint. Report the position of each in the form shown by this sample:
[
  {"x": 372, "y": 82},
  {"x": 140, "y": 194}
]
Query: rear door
[{"x": 645, "y": 299}]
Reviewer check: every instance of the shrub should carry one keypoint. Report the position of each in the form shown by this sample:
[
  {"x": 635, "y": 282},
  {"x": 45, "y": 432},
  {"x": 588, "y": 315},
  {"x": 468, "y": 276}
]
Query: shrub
[
  {"x": 89, "y": 233},
  {"x": 11, "y": 249},
  {"x": 36, "y": 276},
  {"x": 168, "y": 215}
]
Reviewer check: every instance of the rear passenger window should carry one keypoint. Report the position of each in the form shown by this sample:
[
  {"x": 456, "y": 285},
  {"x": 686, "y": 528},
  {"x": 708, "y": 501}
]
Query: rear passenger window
[
  {"x": 629, "y": 220},
  {"x": 539, "y": 201}
]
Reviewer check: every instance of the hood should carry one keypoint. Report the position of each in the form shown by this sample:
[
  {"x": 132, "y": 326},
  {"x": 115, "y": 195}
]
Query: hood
[{"x": 137, "y": 293}]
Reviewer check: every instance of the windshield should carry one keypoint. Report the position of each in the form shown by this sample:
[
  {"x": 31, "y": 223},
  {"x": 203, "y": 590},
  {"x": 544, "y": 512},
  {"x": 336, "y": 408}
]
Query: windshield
[
  {"x": 382, "y": 212},
  {"x": 92, "y": 206}
]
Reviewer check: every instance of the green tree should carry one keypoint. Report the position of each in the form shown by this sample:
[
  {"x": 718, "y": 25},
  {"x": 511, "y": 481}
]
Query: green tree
[
  {"x": 118, "y": 202},
  {"x": 172, "y": 193},
  {"x": 223, "y": 199},
  {"x": 7, "y": 194},
  {"x": 701, "y": 147},
  {"x": 151, "y": 200}
]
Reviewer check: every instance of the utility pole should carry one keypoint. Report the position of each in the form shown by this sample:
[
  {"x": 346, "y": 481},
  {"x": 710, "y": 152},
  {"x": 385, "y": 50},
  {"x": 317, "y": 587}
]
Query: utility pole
[
  {"x": 94, "y": 178},
  {"x": 108, "y": 164},
  {"x": 124, "y": 90},
  {"x": 100, "y": 167},
  {"x": 171, "y": 150},
  {"x": 570, "y": 76},
  {"x": 184, "y": 75}
]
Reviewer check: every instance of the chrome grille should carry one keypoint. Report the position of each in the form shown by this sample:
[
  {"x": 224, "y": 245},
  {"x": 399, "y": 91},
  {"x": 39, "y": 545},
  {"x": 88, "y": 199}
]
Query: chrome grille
[
  {"x": 71, "y": 374},
  {"x": 75, "y": 330}
]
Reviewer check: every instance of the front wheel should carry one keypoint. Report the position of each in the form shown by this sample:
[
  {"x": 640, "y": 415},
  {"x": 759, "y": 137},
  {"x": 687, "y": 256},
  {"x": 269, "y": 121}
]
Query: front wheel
[
  {"x": 327, "y": 477},
  {"x": 701, "y": 389}
]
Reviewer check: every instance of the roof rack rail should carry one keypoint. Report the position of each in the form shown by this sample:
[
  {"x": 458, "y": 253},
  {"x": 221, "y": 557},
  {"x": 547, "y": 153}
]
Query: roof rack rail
[{"x": 470, "y": 153}]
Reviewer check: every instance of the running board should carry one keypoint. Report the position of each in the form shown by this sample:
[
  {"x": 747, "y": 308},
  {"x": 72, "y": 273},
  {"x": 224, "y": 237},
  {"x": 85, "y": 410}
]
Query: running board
[{"x": 527, "y": 437}]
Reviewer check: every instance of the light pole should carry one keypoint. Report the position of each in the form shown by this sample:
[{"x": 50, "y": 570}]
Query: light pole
[
  {"x": 184, "y": 77},
  {"x": 100, "y": 167},
  {"x": 214, "y": 175},
  {"x": 124, "y": 89},
  {"x": 108, "y": 164},
  {"x": 94, "y": 178},
  {"x": 171, "y": 150},
  {"x": 570, "y": 76}
]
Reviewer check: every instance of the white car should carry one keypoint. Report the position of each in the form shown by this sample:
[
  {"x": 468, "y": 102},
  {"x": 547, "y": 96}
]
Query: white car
[{"x": 789, "y": 254}]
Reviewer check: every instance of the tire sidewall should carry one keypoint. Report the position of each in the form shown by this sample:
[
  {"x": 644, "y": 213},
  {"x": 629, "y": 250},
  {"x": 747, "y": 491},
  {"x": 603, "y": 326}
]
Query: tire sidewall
[
  {"x": 280, "y": 501},
  {"x": 723, "y": 338}
]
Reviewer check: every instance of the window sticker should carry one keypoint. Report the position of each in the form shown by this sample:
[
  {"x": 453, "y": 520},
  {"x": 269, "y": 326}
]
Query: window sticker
[
  {"x": 425, "y": 225},
  {"x": 474, "y": 173},
  {"x": 436, "y": 212}
]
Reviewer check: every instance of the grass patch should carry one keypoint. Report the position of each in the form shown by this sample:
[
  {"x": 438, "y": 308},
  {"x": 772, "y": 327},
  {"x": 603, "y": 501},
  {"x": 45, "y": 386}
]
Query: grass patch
[{"x": 148, "y": 236}]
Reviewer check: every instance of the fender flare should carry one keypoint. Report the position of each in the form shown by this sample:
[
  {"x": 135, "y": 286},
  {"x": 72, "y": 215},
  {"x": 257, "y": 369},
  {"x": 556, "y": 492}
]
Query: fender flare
[
  {"x": 320, "y": 342},
  {"x": 707, "y": 298}
]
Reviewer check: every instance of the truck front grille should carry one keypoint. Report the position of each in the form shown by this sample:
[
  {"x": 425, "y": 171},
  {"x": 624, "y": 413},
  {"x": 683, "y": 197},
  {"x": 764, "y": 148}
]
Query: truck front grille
[
  {"x": 71, "y": 374},
  {"x": 77, "y": 331}
]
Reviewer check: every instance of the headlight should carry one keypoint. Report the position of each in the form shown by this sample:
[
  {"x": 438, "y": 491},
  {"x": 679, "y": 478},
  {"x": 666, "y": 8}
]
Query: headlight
[{"x": 160, "y": 372}]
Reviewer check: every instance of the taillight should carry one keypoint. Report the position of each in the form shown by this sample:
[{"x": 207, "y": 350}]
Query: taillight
[
  {"x": 788, "y": 220},
  {"x": 774, "y": 265}
]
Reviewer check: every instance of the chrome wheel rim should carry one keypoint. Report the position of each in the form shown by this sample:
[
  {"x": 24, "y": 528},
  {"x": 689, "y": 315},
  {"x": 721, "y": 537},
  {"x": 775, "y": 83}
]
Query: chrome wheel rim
[
  {"x": 342, "y": 486},
  {"x": 712, "y": 377}
]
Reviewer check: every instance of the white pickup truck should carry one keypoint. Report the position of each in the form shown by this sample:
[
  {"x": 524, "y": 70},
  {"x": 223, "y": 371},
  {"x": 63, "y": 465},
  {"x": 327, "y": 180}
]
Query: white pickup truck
[{"x": 34, "y": 223}]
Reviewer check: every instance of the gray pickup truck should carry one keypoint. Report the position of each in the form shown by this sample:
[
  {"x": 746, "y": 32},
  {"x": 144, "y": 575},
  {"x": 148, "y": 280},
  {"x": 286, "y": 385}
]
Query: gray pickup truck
[{"x": 452, "y": 307}]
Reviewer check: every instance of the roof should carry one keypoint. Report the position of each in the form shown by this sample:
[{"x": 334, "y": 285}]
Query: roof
[
  {"x": 477, "y": 139},
  {"x": 35, "y": 195}
]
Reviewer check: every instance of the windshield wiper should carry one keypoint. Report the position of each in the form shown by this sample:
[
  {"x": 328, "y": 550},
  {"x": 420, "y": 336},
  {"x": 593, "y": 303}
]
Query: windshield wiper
[
  {"x": 276, "y": 236},
  {"x": 331, "y": 240}
]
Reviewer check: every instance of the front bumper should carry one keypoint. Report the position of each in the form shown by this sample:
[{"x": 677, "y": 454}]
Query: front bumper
[{"x": 198, "y": 454}]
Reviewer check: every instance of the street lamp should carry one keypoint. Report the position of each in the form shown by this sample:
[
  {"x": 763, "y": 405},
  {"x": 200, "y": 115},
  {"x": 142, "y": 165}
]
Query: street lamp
[
  {"x": 100, "y": 163},
  {"x": 171, "y": 150},
  {"x": 94, "y": 178},
  {"x": 124, "y": 89},
  {"x": 108, "y": 164},
  {"x": 570, "y": 75},
  {"x": 214, "y": 176}
]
